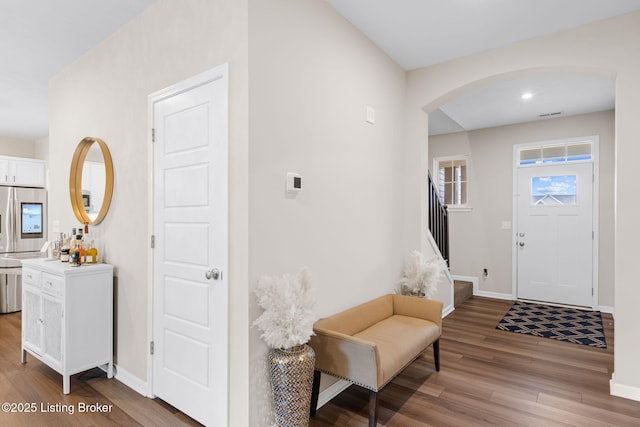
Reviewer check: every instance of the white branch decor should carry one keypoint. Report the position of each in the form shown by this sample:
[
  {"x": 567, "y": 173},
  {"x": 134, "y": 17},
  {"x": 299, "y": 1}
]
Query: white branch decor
[
  {"x": 288, "y": 317},
  {"x": 421, "y": 275}
]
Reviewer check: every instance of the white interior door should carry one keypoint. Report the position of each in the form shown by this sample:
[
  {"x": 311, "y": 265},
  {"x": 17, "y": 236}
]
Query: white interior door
[
  {"x": 554, "y": 233},
  {"x": 190, "y": 295}
]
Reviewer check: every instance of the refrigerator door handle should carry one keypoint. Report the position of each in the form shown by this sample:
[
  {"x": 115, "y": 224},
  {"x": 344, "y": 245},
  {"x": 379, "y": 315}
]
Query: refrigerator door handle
[{"x": 11, "y": 241}]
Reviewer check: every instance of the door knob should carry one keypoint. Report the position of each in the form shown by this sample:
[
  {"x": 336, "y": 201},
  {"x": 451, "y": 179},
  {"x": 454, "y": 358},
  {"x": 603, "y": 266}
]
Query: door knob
[
  {"x": 213, "y": 274},
  {"x": 521, "y": 244}
]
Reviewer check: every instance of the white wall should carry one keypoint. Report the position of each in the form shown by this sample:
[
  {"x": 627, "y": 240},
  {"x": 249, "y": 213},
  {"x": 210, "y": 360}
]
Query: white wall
[
  {"x": 105, "y": 94},
  {"x": 311, "y": 77},
  {"x": 17, "y": 147},
  {"x": 477, "y": 238},
  {"x": 41, "y": 149},
  {"x": 607, "y": 48}
]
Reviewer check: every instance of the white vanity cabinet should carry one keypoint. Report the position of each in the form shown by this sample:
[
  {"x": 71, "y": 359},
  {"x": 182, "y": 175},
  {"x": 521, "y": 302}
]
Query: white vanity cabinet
[{"x": 67, "y": 316}]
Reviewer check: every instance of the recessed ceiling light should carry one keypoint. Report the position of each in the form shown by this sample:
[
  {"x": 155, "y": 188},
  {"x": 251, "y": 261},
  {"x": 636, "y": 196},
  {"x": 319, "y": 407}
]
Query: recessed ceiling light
[{"x": 527, "y": 95}]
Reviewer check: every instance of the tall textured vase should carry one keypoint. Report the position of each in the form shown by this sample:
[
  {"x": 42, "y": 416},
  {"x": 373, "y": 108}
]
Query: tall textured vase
[{"x": 291, "y": 382}]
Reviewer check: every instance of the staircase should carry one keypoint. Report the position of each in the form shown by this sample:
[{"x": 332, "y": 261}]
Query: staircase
[
  {"x": 462, "y": 291},
  {"x": 439, "y": 238}
]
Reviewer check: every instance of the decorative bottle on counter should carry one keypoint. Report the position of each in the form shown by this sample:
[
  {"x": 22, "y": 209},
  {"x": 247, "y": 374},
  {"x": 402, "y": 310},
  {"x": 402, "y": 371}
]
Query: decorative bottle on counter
[
  {"x": 64, "y": 248},
  {"x": 80, "y": 251},
  {"x": 76, "y": 254},
  {"x": 90, "y": 253},
  {"x": 73, "y": 247},
  {"x": 64, "y": 252}
]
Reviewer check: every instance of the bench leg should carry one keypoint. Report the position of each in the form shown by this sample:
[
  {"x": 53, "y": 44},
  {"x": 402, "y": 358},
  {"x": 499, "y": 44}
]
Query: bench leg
[
  {"x": 436, "y": 354},
  {"x": 373, "y": 408},
  {"x": 315, "y": 391}
]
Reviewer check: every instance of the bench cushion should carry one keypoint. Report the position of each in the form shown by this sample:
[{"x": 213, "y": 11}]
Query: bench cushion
[
  {"x": 360, "y": 317},
  {"x": 400, "y": 339}
]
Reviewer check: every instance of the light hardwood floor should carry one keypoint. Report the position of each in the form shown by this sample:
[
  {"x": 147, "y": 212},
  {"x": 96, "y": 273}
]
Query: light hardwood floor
[
  {"x": 35, "y": 383},
  {"x": 493, "y": 377},
  {"x": 488, "y": 377}
]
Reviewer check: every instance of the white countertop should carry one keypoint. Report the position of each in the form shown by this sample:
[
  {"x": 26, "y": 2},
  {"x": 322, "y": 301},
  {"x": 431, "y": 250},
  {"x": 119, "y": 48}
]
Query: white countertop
[
  {"x": 13, "y": 259},
  {"x": 55, "y": 266}
]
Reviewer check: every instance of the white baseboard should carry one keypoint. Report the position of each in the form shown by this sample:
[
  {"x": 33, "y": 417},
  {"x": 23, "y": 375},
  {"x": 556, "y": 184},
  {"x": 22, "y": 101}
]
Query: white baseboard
[
  {"x": 131, "y": 381},
  {"x": 447, "y": 310},
  {"x": 621, "y": 390},
  {"x": 605, "y": 309},
  {"x": 494, "y": 295},
  {"x": 332, "y": 391}
]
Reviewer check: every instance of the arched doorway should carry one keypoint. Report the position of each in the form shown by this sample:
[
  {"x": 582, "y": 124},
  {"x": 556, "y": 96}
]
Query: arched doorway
[{"x": 484, "y": 238}]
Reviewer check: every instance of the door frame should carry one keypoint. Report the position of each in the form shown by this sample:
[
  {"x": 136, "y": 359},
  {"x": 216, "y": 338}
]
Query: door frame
[
  {"x": 595, "y": 154},
  {"x": 220, "y": 72}
]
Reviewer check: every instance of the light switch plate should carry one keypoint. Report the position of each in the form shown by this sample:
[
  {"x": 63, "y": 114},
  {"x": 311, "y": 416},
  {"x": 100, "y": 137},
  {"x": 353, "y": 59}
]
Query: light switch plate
[{"x": 371, "y": 115}]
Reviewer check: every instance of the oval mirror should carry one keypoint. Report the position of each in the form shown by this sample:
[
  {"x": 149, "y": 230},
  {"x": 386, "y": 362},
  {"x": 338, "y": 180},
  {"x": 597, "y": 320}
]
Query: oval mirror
[{"x": 91, "y": 181}]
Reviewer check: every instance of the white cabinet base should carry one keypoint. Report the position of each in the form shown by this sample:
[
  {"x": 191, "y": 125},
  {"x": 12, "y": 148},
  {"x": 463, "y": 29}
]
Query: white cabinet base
[{"x": 67, "y": 316}]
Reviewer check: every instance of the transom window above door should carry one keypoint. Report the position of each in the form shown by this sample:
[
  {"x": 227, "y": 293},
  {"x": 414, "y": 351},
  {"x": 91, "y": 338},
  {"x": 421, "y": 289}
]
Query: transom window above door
[{"x": 573, "y": 151}]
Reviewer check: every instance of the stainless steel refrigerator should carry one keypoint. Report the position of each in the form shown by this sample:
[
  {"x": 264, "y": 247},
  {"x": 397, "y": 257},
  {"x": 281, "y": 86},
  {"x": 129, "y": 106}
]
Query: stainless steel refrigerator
[{"x": 23, "y": 223}]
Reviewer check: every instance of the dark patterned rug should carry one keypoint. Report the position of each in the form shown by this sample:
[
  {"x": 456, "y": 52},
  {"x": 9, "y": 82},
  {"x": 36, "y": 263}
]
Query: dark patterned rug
[{"x": 558, "y": 323}]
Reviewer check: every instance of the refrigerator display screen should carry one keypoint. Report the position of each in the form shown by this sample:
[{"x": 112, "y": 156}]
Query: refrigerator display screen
[{"x": 31, "y": 220}]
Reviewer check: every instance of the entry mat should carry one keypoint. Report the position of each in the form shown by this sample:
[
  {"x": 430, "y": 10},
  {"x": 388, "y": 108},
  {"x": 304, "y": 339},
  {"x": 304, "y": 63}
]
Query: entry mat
[{"x": 558, "y": 323}]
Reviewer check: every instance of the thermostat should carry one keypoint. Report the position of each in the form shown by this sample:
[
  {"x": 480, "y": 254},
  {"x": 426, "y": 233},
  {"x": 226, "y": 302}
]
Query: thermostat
[{"x": 294, "y": 183}]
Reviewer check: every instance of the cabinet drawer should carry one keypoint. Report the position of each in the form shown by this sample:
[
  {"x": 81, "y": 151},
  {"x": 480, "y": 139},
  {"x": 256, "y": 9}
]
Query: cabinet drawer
[
  {"x": 31, "y": 277},
  {"x": 51, "y": 283}
]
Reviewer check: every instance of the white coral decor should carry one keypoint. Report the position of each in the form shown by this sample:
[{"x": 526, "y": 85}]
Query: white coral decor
[
  {"x": 421, "y": 275},
  {"x": 288, "y": 318}
]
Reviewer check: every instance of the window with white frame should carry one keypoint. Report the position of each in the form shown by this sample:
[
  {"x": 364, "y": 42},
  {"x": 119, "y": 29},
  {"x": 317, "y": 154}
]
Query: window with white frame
[
  {"x": 452, "y": 180},
  {"x": 570, "y": 151}
]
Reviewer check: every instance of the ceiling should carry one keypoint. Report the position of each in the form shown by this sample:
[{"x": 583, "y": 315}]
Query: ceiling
[
  {"x": 419, "y": 33},
  {"x": 39, "y": 38},
  {"x": 500, "y": 104}
]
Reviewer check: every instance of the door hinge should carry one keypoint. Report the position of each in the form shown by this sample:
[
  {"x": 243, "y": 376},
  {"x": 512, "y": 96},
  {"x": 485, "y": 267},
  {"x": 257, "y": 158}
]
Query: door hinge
[
  {"x": 153, "y": 241},
  {"x": 153, "y": 134},
  {"x": 151, "y": 348}
]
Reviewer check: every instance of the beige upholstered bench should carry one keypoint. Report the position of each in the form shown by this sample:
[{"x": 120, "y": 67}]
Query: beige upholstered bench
[{"x": 373, "y": 342}]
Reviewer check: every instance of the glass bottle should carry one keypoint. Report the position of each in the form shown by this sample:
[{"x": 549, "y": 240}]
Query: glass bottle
[
  {"x": 80, "y": 249},
  {"x": 91, "y": 253},
  {"x": 73, "y": 246},
  {"x": 64, "y": 251}
]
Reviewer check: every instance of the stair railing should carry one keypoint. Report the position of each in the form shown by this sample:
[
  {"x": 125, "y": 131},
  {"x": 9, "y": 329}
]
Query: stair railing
[{"x": 438, "y": 221}]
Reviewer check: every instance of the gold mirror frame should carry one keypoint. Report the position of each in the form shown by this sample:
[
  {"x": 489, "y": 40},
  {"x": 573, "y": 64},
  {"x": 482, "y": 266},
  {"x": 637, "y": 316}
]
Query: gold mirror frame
[{"x": 75, "y": 180}]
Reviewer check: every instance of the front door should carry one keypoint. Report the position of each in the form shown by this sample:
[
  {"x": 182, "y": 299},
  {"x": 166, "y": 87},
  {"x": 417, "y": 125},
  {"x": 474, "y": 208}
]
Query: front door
[
  {"x": 554, "y": 233},
  {"x": 190, "y": 295}
]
